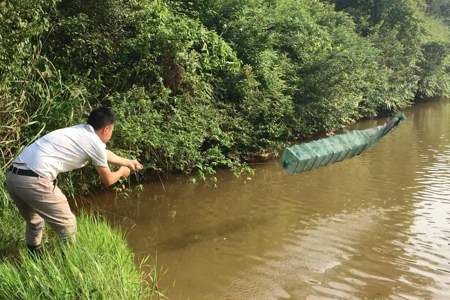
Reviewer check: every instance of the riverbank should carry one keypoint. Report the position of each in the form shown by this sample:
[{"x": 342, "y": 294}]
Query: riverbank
[{"x": 98, "y": 265}]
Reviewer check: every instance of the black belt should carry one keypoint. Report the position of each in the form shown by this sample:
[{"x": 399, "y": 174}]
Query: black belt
[{"x": 23, "y": 172}]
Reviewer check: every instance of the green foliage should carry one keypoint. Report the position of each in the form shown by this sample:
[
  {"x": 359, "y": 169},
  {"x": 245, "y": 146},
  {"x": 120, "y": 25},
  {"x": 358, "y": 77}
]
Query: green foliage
[
  {"x": 395, "y": 29},
  {"x": 11, "y": 231},
  {"x": 201, "y": 84},
  {"x": 408, "y": 39},
  {"x": 308, "y": 64},
  {"x": 435, "y": 65},
  {"x": 23, "y": 92},
  {"x": 435, "y": 70},
  {"x": 435, "y": 30},
  {"x": 439, "y": 8},
  {"x": 98, "y": 266},
  {"x": 154, "y": 67}
]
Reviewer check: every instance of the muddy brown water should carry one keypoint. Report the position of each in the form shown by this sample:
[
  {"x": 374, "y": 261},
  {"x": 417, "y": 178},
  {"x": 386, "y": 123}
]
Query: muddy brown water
[{"x": 373, "y": 227}]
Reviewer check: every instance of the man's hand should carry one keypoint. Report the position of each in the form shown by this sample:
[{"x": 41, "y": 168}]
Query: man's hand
[
  {"x": 134, "y": 165},
  {"x": 124, "y": 171},
  {"x": 108, "y": 178}
]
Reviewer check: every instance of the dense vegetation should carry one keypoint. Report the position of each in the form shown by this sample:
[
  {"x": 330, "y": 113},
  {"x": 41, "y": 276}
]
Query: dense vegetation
[
  {"x": 440, "y": 9},
  {"x": 203, "y": 84}
]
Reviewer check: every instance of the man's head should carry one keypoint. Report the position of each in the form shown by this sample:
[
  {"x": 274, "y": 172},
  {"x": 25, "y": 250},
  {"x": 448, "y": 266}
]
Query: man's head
[{"x": 102, "y": 119}]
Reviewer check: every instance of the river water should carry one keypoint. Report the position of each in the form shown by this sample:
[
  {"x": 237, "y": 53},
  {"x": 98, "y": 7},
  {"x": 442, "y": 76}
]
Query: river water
[{"x": 373, "y": 227}]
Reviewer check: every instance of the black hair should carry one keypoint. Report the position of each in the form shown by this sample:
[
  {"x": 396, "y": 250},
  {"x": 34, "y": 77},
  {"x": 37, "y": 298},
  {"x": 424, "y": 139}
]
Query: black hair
[{"x": 101, "y": 117}]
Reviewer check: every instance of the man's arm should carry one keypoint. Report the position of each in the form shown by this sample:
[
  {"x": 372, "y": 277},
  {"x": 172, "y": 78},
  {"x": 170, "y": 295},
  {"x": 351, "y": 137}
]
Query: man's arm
[
  {"x": 108, "y": 177},
  {"x": 120, "y": 161}
]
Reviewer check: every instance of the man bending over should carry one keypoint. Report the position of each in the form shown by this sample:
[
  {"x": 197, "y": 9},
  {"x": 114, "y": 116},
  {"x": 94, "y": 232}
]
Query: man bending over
[{"x": 30, "y": 179}]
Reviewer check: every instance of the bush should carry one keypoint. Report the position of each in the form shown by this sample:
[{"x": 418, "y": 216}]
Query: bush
[
  {"x": 311, "y": 71},
  {"x": 201, "y": 84},
  {"x": 434, "y": 71},
  {"x": 413, "y": 44}
]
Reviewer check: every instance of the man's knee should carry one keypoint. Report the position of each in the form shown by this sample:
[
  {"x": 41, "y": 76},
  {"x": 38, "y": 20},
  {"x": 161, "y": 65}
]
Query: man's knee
[
  {"x": 68, "y": 229},
  {"x": 36, "y": 223}
]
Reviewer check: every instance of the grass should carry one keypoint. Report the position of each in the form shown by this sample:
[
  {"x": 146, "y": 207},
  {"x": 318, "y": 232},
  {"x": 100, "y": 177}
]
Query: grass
[
  {"x": 12, "y": 228},
  {"x": 99, "y": 265},
  {"x": 11, "y": 231}
]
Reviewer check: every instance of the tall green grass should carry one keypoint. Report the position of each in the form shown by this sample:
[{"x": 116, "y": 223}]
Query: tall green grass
[
  {"x": 98, "y": 266},
  {"x": 11, "y": 229}
]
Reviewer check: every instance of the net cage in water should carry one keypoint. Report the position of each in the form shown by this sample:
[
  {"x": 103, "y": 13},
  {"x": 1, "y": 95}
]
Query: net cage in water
[{"x": 312, "y": 155}]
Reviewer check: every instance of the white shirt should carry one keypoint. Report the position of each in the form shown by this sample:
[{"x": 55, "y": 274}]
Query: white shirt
[{"x": 63, "y": 150}]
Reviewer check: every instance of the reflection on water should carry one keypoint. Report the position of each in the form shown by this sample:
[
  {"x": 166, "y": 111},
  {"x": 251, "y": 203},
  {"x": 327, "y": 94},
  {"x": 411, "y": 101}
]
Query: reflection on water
[{"x": 374, "y": 227}]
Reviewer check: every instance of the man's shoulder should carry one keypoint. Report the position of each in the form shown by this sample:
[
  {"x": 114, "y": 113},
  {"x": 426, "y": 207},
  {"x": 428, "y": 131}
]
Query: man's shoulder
[
  {"x": 79, "y": 132},
  {"x": 72, "y": 128},
  {"x": 78, "y": 129},
  {"x": 87, "y": 133},
  {"x": 85, "y": 127}
]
